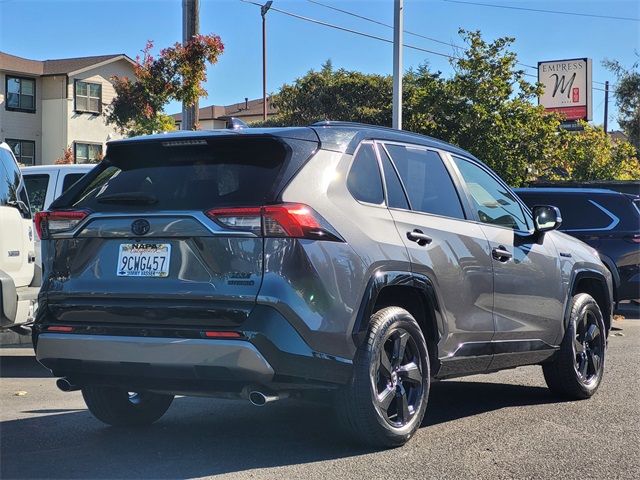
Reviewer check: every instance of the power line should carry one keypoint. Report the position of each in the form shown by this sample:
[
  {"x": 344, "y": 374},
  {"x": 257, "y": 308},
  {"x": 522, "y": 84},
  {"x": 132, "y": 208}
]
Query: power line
[
  {"x": 374, "y": 37},
  {"x": 539, "y": 10},
  {"x": 368, "y": 19},
  {"x": 362, "y": 17},
  {"x": 356, "y": 32}
]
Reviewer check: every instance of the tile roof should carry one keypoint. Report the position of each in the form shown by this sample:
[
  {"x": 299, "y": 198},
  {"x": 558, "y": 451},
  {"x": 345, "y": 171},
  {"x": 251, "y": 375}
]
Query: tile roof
[
  {"x": 242, "y": 109},
  {"x": 51, "y": 67}
]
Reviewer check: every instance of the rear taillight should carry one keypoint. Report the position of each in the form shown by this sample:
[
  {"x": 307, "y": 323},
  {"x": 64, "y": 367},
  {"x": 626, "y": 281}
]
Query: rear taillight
[
  {"x": 293, "y": 220},
  {"x": 48, "y": 223}
]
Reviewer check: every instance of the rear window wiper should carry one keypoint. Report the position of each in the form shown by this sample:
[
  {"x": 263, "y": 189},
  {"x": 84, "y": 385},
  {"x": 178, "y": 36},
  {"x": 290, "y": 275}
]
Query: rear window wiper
[{"x": 128, "y": 197}]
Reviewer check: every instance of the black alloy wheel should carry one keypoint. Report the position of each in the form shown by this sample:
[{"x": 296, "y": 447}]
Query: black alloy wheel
[{"x": 398, "y": 380}]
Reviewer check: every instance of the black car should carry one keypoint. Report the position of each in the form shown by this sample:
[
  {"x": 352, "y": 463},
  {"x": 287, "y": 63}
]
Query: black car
[{"x": 608, "y": 221}]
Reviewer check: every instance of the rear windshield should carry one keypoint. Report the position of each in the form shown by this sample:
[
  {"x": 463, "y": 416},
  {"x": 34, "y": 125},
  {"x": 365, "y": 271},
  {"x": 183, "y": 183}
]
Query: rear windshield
[{"x": 173, "y": 175}]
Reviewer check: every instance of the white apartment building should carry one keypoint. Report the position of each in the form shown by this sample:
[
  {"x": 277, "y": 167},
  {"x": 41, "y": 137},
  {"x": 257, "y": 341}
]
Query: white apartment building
[{"x": 47, "y": 106}]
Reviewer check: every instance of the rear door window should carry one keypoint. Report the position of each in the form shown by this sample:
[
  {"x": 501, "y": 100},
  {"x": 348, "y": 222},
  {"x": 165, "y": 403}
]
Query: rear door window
[
  {"x": 396, "y": 197},
  {"x": 37, "y": 186},
  {"x": 364, "y": 181},
  {"x": 426, "y": 180},
  {"x": 183, "y": 175}
]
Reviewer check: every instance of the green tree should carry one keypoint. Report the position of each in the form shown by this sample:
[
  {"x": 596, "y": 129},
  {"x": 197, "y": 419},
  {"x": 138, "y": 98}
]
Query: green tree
[
  {"x": 487, "y": 108},
  {"x": 177, "y": 73},
  {"x": 627, "y": 95},
  {"x": 593, "y": 155},
  {"x": 331, "y": 94}
]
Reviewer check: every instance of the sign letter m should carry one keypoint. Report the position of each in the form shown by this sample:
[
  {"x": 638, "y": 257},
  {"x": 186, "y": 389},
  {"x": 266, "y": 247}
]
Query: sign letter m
[{"x": 560, "y": 84}]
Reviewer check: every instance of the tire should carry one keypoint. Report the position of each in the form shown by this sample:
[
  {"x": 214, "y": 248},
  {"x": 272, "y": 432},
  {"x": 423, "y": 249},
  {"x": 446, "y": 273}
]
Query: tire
[
  {"x": 382, "y": 378},
  {"x": 117, "y": 407},
  {"x": 577, "y": 370}
]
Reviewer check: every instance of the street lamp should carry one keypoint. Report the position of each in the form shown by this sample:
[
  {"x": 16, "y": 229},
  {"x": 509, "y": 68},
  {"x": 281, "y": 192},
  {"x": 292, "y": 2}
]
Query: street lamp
[{"x": 263, "y": 11}]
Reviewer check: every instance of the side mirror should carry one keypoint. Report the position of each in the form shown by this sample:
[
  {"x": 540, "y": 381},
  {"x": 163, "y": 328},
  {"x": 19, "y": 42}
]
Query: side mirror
[{"x": 546, "y": 218}]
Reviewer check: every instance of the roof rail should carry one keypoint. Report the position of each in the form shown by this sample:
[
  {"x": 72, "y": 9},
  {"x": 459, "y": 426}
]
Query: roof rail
[{"x": 340, "y": 123}]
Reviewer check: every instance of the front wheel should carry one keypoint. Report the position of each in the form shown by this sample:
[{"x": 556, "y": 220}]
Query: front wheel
[
  {"x": 118, "y": 407},
  {"x": 577, "y": 370},
  {"x": 386, "y": 399}
]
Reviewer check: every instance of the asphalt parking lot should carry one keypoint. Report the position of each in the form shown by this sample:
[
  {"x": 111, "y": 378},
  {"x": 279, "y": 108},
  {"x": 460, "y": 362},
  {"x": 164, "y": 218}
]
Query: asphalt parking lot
[{"x": 504, "y": 425}]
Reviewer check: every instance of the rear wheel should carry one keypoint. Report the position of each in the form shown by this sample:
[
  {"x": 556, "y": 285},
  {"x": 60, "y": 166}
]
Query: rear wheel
[
  {"x": 385, "y": 401},
  {"x": 118, "y": 407},
  {"x": 577, "y": 370}
]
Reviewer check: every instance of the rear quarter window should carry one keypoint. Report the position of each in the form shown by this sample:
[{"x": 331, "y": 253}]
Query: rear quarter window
[{"x": 364, "y": 180}]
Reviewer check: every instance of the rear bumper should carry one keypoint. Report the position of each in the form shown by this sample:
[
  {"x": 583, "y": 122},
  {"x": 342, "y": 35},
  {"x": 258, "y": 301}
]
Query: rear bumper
[
  {"x": 271, "y": 353},
  {"x": 193, "y": 359}
]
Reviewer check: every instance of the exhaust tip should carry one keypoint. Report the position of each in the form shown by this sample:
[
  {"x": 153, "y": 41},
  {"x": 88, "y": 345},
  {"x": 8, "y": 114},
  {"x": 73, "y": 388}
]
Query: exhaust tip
[
  {"x": 66, "y": 386},
  {"x": 258, "y": 399}
]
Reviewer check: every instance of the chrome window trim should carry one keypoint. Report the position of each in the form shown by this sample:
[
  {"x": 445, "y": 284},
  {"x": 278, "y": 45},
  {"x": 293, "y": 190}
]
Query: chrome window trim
[{"x": 614, "y": 221}]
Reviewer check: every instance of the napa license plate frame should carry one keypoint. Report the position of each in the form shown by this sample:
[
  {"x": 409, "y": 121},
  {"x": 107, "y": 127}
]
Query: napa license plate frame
[{"x": 144, "y": 260}]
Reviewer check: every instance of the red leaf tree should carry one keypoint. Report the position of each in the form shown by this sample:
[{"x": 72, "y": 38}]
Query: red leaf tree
[{"x": 177, "y": 73}]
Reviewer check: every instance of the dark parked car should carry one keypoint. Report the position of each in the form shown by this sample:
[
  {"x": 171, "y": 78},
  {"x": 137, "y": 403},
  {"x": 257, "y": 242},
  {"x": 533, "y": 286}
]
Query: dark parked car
[
  {"x": 339, "y": 260},
  {"x": 608, "y": 221}
]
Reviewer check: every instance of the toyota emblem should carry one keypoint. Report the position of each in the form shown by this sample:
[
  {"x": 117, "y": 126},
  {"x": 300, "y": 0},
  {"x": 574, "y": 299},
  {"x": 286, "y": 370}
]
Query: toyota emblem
[{"x": 140, "y": 227}]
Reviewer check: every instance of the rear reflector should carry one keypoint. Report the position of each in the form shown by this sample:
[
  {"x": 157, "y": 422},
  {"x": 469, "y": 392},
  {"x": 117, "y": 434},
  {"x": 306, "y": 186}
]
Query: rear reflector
[
  {"x": 59, "y": 328},
  {"x": 214, "y": 334},
  {"x": 293, "y": 220},
  {"x": 48, "y": 223}
]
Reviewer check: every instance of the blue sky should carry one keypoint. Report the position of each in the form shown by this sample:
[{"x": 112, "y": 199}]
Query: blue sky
[{"x": 56, "y": 29}]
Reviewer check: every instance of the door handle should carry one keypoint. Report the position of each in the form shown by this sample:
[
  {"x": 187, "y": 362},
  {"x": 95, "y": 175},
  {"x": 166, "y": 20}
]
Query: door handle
[
  {"x": 501, "y": 254},
  {"x": 419, "y": 237}
]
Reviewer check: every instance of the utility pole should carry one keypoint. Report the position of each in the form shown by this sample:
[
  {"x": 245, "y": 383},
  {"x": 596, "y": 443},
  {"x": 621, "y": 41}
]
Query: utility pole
[
  {"x": 606, "y": 105},
  {"x": 263, "y": 11},
  {"x": 190, "y": 27},
  {"x": 398, "y": 27}
]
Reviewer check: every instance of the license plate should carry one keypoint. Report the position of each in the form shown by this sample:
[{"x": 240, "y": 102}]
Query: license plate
[{"x": 144, "y": 260}]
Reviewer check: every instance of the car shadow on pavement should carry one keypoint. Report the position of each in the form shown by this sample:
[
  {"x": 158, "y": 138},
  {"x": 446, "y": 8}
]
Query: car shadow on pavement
[
  {"x": 21, "y": 366},
  {"x": 451, "y": 400},
  {"x": 202, "y": 437}
]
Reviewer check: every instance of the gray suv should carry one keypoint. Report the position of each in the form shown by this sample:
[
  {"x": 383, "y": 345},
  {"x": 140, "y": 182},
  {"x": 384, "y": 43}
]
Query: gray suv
[{"x": 338, "y": 261}]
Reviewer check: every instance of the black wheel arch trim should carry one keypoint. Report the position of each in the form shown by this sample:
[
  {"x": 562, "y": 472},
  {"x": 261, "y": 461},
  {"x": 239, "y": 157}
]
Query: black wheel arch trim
[
  {"x": 381, "y": 279},
  {"x": 615, "y": 275},
  {"x": 580, "y": 274}
]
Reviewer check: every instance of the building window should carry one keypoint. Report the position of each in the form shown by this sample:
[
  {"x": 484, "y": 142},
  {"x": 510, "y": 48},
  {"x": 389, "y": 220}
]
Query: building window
[
  {"x": 21, "y": 94},
  {"x": 24, "y": 150},
  {"x": 87, "y": 152},
  {"x": 88, "y": 97}
]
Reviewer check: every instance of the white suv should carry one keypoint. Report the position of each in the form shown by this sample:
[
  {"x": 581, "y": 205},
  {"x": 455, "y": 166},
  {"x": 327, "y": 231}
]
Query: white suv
[{"x": 19, "y": 278}]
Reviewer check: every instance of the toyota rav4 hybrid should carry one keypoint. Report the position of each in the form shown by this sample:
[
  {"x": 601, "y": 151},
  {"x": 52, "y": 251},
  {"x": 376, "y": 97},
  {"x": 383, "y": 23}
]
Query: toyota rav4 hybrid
[{"x": 338, "y": 261}]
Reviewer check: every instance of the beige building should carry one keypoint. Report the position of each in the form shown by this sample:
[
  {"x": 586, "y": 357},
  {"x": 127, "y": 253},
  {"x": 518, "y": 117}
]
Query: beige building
[
  {"x": 215, "y": 116},
  {"x": 47, "y": 106}
]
